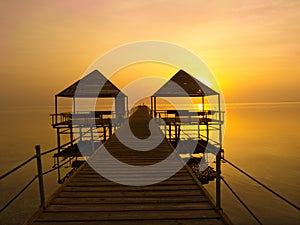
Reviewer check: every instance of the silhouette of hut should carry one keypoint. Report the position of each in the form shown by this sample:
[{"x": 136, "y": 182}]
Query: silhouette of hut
[
  {"x": 95, "y": 85},
  {"x": 190, "y": 86},
  {"x": 88, "y": 124},
  {"x": 184, "y": 85}
]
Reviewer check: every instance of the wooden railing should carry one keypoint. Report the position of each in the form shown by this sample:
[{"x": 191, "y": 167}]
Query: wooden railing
[
  {"x": 39, "y": 176},
  {"x": 186, "y": 116}
]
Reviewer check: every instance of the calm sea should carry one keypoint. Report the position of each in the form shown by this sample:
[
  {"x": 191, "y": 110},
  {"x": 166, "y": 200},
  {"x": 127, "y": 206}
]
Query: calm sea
[{"x": 262, "y": 139}]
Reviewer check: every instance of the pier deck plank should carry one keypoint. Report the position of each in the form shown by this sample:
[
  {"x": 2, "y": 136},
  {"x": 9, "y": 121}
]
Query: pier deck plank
[{"x": 89, "y": 198}]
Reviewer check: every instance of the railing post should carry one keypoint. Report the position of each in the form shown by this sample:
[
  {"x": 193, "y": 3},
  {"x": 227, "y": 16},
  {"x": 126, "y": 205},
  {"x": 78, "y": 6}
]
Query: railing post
[
  {"x": 57, "y": 158},
  {"x": 40, "y": 175},
  {"x": 218, "y": 181},
  {"x": 218, "y": 161}
]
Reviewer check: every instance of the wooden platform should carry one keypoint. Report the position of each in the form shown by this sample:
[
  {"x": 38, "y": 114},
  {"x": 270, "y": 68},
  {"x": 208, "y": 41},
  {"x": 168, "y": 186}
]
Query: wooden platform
[{"x": 88, "y": 198}]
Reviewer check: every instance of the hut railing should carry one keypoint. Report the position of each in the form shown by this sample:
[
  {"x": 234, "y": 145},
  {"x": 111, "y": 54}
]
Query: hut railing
[
  {"x": 186, "y": 116},
  {"x": 81, "y": 115}
]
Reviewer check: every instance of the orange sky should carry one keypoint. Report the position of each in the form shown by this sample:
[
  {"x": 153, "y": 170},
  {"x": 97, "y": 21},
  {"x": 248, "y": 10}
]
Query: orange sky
[{"x": 252, "y": 47}]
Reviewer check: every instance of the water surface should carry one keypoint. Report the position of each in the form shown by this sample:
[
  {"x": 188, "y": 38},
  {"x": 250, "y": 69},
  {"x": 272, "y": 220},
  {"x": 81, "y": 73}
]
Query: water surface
[{"x": 262, "y": 139}]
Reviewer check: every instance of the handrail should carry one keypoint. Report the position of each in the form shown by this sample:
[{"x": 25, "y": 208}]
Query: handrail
[
  {"x": 264, "y": 186},
  {"x": 53, "y": 149},
  {"x": 56, "y": 148},
  {"x": 17, "y": 167},
  {"x": 249, "y": 176},
  {"x": 56, "y": 167},
  {"x": 57, "y": 118},
  {"x": 189, "y": 136},
  {"x": 19, "y": 193},
  {"x": 39, "y": 175},
  {"x": 241, "y": 201}
]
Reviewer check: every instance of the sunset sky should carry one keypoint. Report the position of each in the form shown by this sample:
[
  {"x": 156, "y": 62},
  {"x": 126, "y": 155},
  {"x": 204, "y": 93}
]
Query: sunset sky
[{"x": 252, "y": 46}]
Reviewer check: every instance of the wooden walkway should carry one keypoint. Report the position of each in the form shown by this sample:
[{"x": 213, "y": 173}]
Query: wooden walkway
[{"x": 90, "y": 199}]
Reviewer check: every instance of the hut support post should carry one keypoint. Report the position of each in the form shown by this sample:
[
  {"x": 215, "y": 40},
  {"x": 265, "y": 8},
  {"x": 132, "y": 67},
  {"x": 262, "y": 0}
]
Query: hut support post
[
  {"x": 104, "y": 133},
  {"x": 127, "y": 114},
  {"x": 71, "y": 134},
  {"x": 154, "y": 106},
  {"x": 56, "y": 110},
  {"x": 110, "y": 129},
  {"x": 175, "y": 126},
  {"x": 218, "y": 162},
  {"x": 170, "y": 132},
  {"x": 92, "y": 138},
  {"x": 199, "y": 123},
  {"x": 74, "y": 107},
  {"x": 151, "y": 105},
  {"x": 207, "y": 131},
  {"x": 80, "y": 133}
]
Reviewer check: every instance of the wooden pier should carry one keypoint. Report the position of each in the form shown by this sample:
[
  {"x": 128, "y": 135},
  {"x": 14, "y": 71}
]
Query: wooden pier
[{"x": 89, "y": 198}]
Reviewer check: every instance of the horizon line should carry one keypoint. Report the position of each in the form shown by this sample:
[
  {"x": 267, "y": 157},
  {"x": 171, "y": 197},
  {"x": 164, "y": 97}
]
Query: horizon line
[{"x": 258, "y": 102}]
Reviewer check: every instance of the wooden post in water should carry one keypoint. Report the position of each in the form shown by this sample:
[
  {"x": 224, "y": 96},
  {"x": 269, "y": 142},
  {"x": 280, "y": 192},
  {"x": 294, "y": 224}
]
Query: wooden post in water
[
  {"x": 40, "y": 175},
  {"x": 218, "y": 162}
]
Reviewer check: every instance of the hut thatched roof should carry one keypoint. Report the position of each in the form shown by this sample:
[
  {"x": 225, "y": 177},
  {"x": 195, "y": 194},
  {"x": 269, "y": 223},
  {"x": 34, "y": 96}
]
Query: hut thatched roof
[
  {"x": 190, "y": 86},
  {"x": 90, "y": 86}
]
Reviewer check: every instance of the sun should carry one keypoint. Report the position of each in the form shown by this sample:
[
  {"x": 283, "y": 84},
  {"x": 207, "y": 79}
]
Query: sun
[{"x": 200, "y": 106}]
